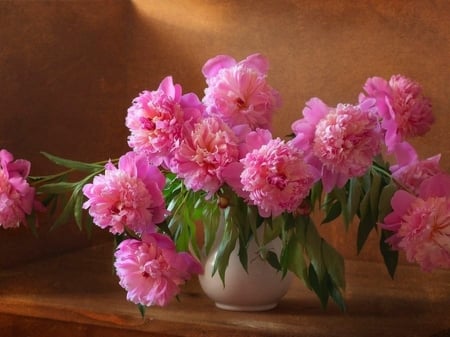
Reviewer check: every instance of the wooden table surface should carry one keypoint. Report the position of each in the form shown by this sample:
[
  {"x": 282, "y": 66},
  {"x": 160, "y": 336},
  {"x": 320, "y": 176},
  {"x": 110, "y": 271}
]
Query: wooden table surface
[{"x": 78, "y": 295}]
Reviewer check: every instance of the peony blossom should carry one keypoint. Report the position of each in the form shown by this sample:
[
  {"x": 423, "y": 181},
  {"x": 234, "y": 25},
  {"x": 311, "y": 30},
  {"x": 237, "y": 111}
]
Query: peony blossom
[
  {"x": 127, "y": 196},
  {"x": 205, "y": 151},
  {"x": 151, "y": 271},
  {"x": 340, "y": 142},
  {"x": 405, "y": 111},
  {"x": 17, "y": 197},
  {"x": 276, "y": 177},
  {"x": 421, "y": 224},
  {"x": 409, "y": 170},
  {"x": 156, "y": 119},
  {"x": 238, "y": 92}
]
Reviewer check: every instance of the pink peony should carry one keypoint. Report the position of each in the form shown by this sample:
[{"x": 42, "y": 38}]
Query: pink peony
[
  {"x": 203, "y": 154},
  {"x": 409, "y": 170},
  {"x": 405, "y": 111},
  {"x": 276, "y": 177},
  {"x": 238, "y": 92},
  {"x": 151, "y": 271},
  {"x": 421, "y": 225},
  {"x": 252, "y": 140},
  {"x": 156, "y": 119},
  {"x": 17, "y": 197},
  {"x": 127, "y": 196},
  {"x": 341, "y": 142}
]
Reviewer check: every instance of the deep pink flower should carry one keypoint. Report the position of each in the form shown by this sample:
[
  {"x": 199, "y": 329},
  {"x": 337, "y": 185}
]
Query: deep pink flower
[
  {"x": 17, "y": 197},
  {"x": 341, "y": 142},
  {"x": 409, "y": 170},
  {"x": 151, "y": 271},
  {"x": 238, "y": 92},
  {"x": 127, "y": 196},
  {"x": 203, "y": 154},
  {"x": 276, "y": 177},
  {"x": 156, "y": 119},
  {"x": 249, "y": 141},
  {"x": 405, "y": 111},
  {"x": 421, "y": 225}
]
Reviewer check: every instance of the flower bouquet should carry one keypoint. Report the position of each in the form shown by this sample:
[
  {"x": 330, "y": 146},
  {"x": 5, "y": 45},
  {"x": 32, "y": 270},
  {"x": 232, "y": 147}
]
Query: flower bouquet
[{"x": 194, "y": 163}]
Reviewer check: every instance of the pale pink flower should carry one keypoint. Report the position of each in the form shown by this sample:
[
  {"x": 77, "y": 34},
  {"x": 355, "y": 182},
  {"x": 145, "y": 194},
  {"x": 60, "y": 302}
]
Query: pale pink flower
[
  {"x": 276, "y": 177},
  {"x": 409, "y": 170},
  {"x": 341, "y": 142},
  {"x": 238, "y": 92},
  {"x": 127, "y": 196},
  {"x": 156, "y": 119},
  {"x": 151, "y": 271},
  {"x": 405, "y": 111},
  {"x": 421, "y": 224},
  {"x": 205, "y": 151},
  {"x": 17, "y": 197}
]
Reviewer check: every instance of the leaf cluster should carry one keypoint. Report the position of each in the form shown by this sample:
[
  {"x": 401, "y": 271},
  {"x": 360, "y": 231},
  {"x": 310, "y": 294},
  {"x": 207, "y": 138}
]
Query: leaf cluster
[
  {"x": 367, "y": 198},
  {"x": 62, "y": 195}
]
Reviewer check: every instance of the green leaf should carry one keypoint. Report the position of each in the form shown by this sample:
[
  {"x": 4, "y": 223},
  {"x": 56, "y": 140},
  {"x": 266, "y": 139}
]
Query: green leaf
[
  {"x": 336, "y": 294},
  {"x": 295, "y": 260},
  {"x": 342, "y": 199},
  {"x": 316, "y": 194},
  {"x": 364, "y": 208},
  {"x": 272, "y": 258},
  {"x": 374, "y": 195},
  {"x": 354, "y": 198},
  {"x": 301, "y": 227},
  {"x": 384, "y": 206},
  {"x": 272, "y": 231},
  {"x": 318, "y": 286},
  {"x": 365, "y": 227},
  {"x": 57, "y": 188},
  {"x": 226, "y": 246},
  {"x": 210, "y": 225},
  {"x": 77, "y": 165},
  {"x": 314, "y": 251},
  {"x": 390, "y": 256},
  {"x": 332, "y": 213},
  {"x": 78, "y": 208},
  {"x": 334, "y": 263},
  {"x": 66, "y": 213},
  {"x": 142, "y": 310},
  {"x": 243, "y": 256}
]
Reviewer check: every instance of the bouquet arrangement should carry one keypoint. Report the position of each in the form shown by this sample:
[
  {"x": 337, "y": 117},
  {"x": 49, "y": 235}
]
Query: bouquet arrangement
[{"x": 193, "y": 162}]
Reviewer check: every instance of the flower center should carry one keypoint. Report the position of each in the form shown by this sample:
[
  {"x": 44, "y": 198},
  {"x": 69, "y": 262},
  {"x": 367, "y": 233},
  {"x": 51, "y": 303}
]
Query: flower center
[{"x": 278, "y": 180}]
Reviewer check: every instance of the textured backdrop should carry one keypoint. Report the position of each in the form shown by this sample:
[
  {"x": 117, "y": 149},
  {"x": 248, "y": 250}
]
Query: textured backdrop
[{"x": 69, "y": 69}]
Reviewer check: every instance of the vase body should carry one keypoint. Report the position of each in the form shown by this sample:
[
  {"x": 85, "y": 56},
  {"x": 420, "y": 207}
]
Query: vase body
[{"x": 261, "y": 288}]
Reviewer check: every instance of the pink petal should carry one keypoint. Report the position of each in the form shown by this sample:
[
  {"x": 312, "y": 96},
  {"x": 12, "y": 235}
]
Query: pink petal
[{"x": 212, "y": 66}]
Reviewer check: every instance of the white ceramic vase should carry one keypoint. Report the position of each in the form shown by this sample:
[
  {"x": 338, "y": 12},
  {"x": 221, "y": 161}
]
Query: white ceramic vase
[{"x": 260, "y": 289}]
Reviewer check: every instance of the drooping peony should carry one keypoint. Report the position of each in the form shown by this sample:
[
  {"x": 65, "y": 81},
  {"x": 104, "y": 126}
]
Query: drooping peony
[
  {"x": 340, "y": 142},
  {"x": 156, "y": 119},
  {"x": 238, "y": 92},
  {"x": 16, "y": 195},
  {"x": 127, "y": 196},
  {"x": 276, "y": 177},
  {"x": 421, "y": 224},
  {"x": 405, "y": 111},
  {"x": 205, "y": 151},
  {"x": 151, "y": 270},
  {"x": 409, "y": 170}
]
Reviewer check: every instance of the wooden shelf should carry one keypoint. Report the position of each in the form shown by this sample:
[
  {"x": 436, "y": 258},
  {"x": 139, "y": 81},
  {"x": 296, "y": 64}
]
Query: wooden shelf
[{"x": 78, "y": 295}]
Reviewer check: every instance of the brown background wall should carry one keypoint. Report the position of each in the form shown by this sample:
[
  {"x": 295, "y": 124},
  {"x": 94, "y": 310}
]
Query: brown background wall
[{"x": 69, "y": 69}]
